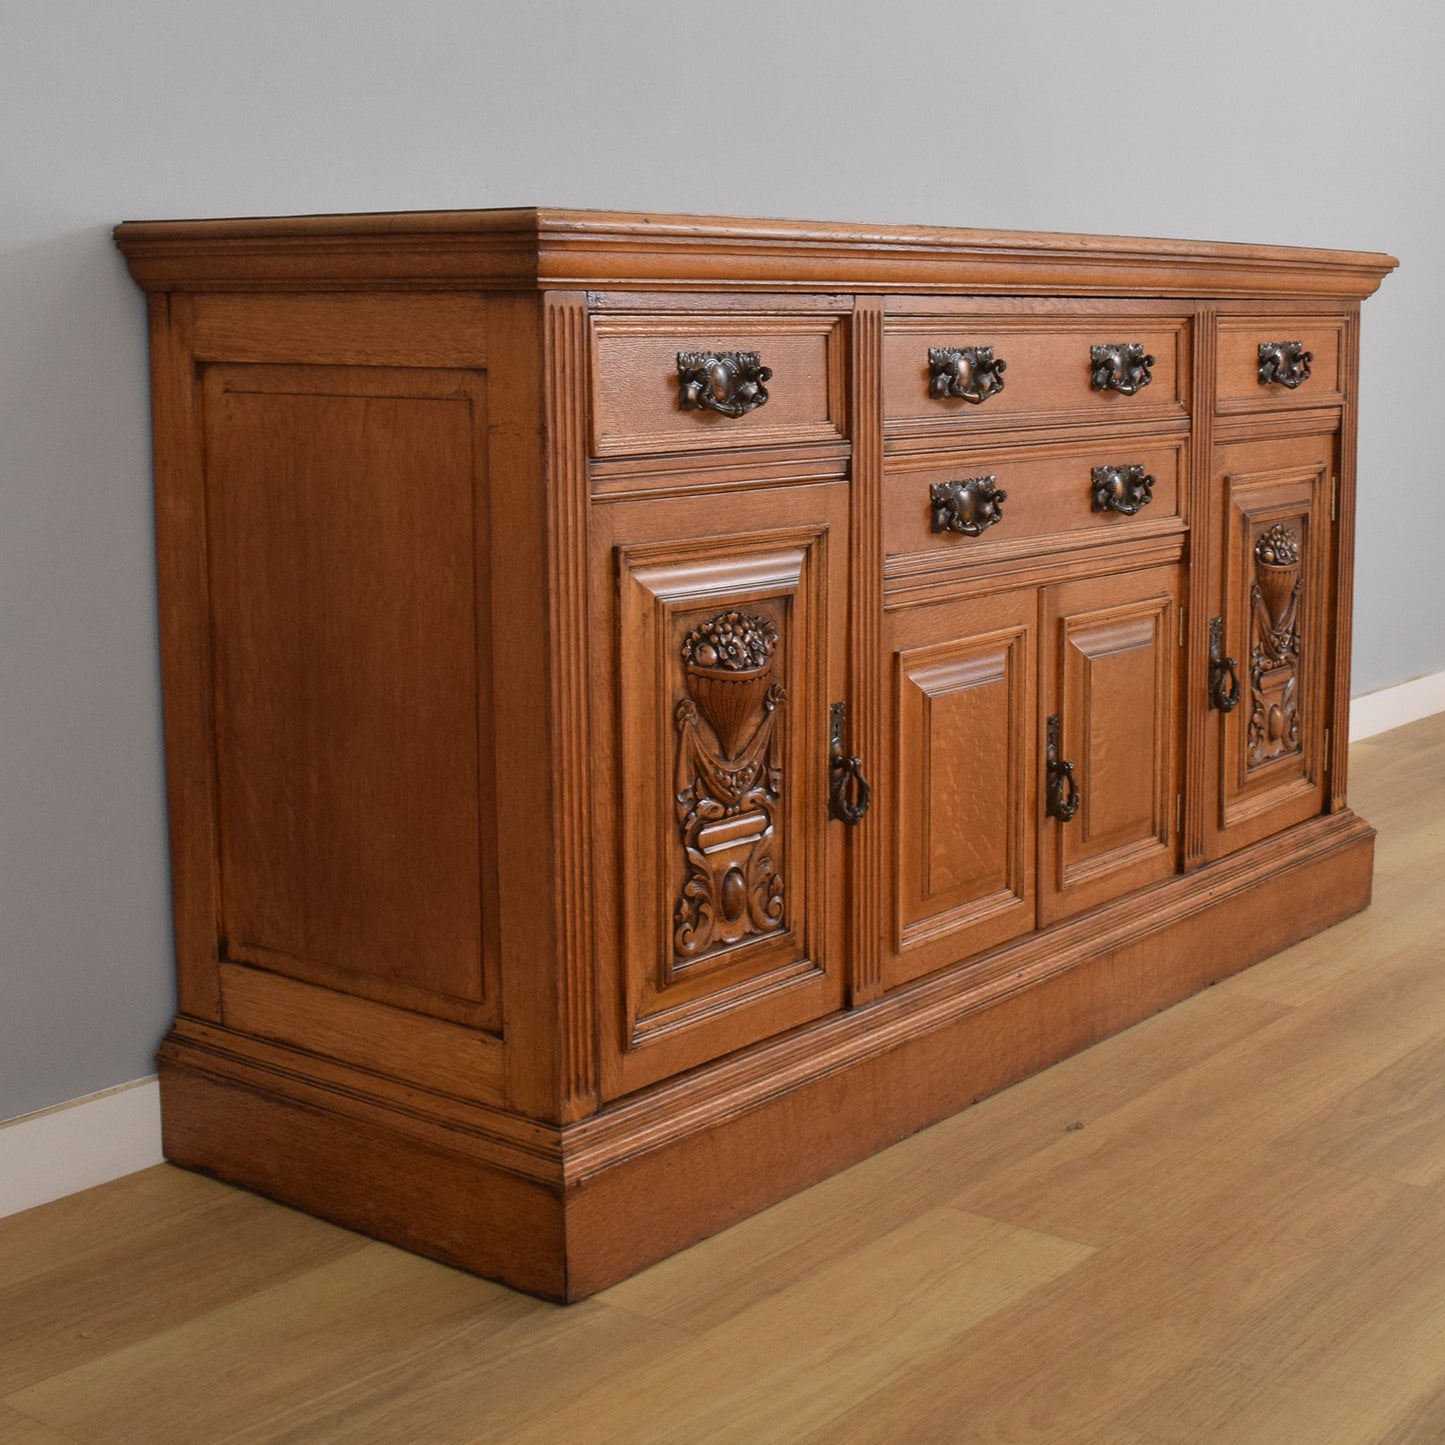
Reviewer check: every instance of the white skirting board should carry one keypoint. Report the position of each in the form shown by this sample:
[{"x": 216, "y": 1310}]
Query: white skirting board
[
  {"x": 1393, "y": 707},
  {"x": 88, "y": 1141},
  {"x": 78, "y": 1145}
]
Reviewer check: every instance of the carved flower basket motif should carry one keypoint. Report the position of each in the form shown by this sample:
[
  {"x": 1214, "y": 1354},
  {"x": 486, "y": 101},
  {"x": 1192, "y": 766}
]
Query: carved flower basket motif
[{"x": 730, "y": 701}]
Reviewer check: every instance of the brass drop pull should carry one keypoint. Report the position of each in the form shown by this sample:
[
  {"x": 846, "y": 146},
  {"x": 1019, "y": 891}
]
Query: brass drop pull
[
  {"x": 1061, "y": 789},
  {"x": 1223, "y": 671},
  {"x": 970, "y": 373},
  {"x": 970, "y": 506},
  {"x": 1122, "y": 489},
  {"x": 727, "y": 382},
  {"x": 849, "y": 795},
  {"x": 1120, "y": 366},
  {"x": 1285, "y": 362}
]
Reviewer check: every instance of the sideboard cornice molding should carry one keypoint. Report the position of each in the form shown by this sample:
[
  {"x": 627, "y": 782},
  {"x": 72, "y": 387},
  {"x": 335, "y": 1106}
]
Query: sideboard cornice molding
[{"x": 564, "y": 249}]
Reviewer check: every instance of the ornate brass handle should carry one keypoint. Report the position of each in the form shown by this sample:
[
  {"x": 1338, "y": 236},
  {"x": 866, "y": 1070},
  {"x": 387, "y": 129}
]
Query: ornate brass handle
[
  {"x": 1223, "y": 671},
  {"x": 849, "y": 795},
  {"x": 727, "y": 382},
  {"x": 1061, "y": 789},
  {"x": 1285, "y": 362},
  {"x": 970, "y": 506},
  {"x": 1122, "y": 489},
  {"x": 968, "y": 372},
  {"x": 1120, "y": 366}
]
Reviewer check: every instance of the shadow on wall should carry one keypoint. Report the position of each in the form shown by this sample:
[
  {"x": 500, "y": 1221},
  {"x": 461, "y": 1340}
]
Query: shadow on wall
[{"x": 85, "y": 957}]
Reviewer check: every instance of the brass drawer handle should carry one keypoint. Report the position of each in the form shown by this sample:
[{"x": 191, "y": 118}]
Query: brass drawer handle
[
  {"x": 849, "y": 796},
  {"x": 1223, "y": 671},
  {"x": 970, "y": 506},
  {"x": 1122, "y": 489},
  {"x": 1285, "y": 362},
  {"x": 727, "y": 382},
  {"x": 969, "y": 373},
  {"x": 1061, "y": 789},
  {"x": 1120, "y": 366}
]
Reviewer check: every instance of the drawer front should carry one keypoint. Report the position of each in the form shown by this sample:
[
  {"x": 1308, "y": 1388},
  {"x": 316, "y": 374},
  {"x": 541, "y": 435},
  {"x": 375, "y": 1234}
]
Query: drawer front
[
  {"x": 1048, "y": 491},
  {"x": 1048, "y": 374},
  {"x": 638, "y": 402},
  {"x": 1241, "y": 386}
]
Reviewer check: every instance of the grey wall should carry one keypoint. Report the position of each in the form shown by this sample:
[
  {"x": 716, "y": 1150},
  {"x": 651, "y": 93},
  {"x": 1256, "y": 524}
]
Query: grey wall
[{"x": 1320, "y": 124}]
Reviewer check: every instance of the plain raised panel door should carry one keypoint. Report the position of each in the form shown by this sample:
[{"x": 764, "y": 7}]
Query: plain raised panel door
[
  {"x": 1111, "y": 670},
  {"x": 960, "y": 819}
]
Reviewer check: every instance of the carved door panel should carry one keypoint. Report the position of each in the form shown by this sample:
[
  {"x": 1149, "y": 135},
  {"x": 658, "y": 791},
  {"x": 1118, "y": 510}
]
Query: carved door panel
[
  {"x": 960, "y": 822},
  {"x": 1108, "y": 749},
  {"x": 724, "y": 925},
  {"x": 1270, "y": 565}
]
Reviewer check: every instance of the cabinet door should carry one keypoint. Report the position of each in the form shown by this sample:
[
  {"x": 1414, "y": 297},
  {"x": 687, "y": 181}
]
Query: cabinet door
[
  {"x": 728, "y": 635},
  {"x": 1270, "y": 568},
  {"x": 1111, "y": 680},
  {"x": 961, "y": 818}
]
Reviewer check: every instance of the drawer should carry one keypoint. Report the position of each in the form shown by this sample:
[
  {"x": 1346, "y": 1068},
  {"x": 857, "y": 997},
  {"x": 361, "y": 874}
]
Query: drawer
[
  {"x": 1242, "y": 380},
  {"x": 1049, "y": 493},
  {"x": 637, "y": 403},
  {"x": 1048, "y": 375}
]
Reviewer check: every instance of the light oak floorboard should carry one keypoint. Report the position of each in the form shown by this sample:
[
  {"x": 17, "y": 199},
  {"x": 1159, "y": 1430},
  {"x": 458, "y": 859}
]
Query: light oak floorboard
[
  {"x": 1060, "y": 1365},
  {"x": 699, "y": 1288},
  {"x": 1226, "y": 1224},
  {"x": 800, "y": 1357},
  {"x": 89, "y": 1274},
  {"x": 18, "y": 1429},
  {"x": 1351, "y": 1348}
]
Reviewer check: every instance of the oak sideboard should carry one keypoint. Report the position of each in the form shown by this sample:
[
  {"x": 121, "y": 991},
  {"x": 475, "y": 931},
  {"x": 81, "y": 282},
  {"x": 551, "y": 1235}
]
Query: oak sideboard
[{"x": 659, "y": 708}]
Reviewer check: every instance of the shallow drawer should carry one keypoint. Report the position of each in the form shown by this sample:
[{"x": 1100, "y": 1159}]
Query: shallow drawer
[
  {"x": 1048, "y": 376},
  {"x": 1259, "y": 364},
  {"x": 639, "y": 405},
  {"x": 1049, "y": 490}
]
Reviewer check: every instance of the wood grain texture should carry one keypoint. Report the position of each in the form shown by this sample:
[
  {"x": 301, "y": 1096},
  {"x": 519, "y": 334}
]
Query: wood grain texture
[
  {"x": 554, "y": 248},
  {"x": 1280, "y": 1277},
  {"x": 172, "y": 1247},
  {"x": 867, "y": 684},
  {"x": 351, "y": 738},
  {"x": 521, "y": 714},
  {"x": 182, "y": 576},
  {"x": 565, "y": 351},
  {"x": 1237, "y": 361},
  {"x": 1046, "y": 378},
  {"x": 634, "y": 406},
  {"x": 18, "y": 1429},
  {"x": 1050, "y": 492}
]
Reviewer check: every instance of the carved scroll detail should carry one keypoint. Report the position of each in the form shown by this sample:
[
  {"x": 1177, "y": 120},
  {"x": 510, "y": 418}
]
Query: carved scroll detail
[
  {"x": 729, "y": 784},
  {"x": 1274, "y": 720}
]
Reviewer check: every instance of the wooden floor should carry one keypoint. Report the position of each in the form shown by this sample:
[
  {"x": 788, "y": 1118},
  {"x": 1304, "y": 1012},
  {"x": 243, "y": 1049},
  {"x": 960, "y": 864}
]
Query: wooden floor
[{"x": 1225, "y": 1225}]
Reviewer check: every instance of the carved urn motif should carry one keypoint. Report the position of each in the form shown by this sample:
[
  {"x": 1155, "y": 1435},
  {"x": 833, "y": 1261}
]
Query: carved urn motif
[
  {"x": 727, "y": 791},
  {"x": 1274, "y": 723},
  {"x": 728, "y": 663}
]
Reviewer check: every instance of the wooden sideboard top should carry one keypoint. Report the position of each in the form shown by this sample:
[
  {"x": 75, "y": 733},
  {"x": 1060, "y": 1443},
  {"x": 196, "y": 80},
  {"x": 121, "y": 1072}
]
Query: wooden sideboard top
[{"x": 562, "y": 249}]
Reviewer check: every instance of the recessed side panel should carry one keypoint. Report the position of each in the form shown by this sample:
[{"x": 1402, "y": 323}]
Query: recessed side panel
[
  {"x": 346, "y": 537},
  {"x": 962, "y": 760}
]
